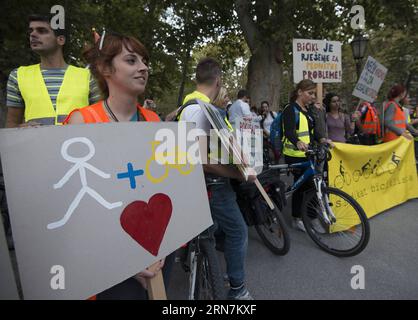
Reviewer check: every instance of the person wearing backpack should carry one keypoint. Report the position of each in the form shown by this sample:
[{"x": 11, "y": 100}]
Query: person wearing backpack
[
  {"x": 224, "y": 208},
  {"x": 298, "y": 131}
]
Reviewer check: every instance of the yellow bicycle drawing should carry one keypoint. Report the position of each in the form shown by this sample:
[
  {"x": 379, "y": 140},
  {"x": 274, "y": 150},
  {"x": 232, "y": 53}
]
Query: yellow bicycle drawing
[{"x": 180, "y": 158}]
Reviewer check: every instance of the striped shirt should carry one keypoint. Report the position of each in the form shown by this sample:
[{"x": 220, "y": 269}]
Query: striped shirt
[{"x": 53, "y": 80}]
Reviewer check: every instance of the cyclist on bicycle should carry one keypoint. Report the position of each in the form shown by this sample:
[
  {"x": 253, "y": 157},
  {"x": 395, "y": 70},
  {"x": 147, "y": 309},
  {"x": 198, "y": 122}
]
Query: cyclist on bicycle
[
  {"x": 300, "y": 129},
  {"x": 376, "y": 164},
  {"x": 224, "y": 208},
  {"x": 342, "y": 169},
  {"x": 366, "y": 166},
  {"x": 396, "y": 159}
]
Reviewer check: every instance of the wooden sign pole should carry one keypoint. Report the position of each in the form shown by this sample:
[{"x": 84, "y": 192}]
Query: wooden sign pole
[
  {"x": 156, "y": 288},
  {"x": 230, "y": 143},
  {"x": 319, "y": 92},
  {"x": 264, "y": 194}
]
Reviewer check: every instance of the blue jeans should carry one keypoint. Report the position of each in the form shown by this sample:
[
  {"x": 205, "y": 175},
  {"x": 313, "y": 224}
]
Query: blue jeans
[{"x": 229, "y": 220}]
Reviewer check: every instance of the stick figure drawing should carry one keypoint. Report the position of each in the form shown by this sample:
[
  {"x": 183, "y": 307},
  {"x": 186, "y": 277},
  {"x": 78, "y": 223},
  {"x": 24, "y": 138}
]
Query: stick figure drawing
[{"x": 80, "y": 165}]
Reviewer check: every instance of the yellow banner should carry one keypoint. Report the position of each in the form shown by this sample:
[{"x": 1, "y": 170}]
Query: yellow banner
[{"x": 378, "y": 177}]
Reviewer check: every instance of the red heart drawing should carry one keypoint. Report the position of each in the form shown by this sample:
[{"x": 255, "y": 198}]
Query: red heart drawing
[{"x": 146, "y": 223}]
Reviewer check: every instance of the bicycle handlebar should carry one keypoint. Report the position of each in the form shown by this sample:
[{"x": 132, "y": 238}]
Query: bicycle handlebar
[{"x": 319, "y": 151}]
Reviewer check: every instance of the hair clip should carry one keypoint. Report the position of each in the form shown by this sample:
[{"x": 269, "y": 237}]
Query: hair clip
[{"x": 102, "y": 39}]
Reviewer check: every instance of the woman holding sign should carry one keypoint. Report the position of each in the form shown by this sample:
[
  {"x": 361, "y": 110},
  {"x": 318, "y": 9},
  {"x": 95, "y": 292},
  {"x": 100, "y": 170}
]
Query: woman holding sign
[
  {"x": 120, "y": 65},
  {"x": 299, "y": 131}
]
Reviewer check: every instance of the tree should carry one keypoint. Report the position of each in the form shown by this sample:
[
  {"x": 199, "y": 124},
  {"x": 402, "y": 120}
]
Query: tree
[
  {"x": 233, "y": 53},
  {"x": 194, "y": 23},
  {"x": 140, "y": 18},
  {"x": 270, "y": 25}
]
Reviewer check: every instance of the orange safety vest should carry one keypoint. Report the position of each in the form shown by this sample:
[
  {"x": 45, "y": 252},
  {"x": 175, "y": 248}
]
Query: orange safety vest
[
  {"x": 371, "y": 124},
  {"x": 96, "y": 113},
  {"x": 399, "y": 121}
]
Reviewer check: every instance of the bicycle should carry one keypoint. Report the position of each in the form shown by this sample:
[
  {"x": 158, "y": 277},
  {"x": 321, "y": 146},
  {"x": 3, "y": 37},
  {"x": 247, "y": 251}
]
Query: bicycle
[
  {"x": 332, "y": 218},
  {"x": 200, "y": 259},
  {"x": 344, "y": 178},
  {"x": 380, "y": 169},
  {"x": 365, "y": 172},
  {"x": 269, "y": 224},
  {"x": 269, "y": 154},
  {"x": 179, "y": 156}
]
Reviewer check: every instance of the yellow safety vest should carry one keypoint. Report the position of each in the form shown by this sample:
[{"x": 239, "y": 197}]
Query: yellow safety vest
[
  {"x": 204, "y": 98},
  {"x": 196, "y": 95},
  {"x": 303, "y": 134},
  {"x": 73, "y": 93}
]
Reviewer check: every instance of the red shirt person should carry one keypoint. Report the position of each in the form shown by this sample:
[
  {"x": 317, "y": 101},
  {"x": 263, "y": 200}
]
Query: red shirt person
[{"x": 394, "y": 116}]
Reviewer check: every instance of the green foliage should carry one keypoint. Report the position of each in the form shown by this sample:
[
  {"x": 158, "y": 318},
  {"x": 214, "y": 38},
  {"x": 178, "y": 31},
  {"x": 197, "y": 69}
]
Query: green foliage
[{"x": 178, "y": 33}]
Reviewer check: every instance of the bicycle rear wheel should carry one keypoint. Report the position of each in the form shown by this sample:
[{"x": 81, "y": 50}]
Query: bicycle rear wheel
[
  {"x": 348, "y": 235},
  {"x": 209, "y": 278},
  {"x": 272, "y": 229}
]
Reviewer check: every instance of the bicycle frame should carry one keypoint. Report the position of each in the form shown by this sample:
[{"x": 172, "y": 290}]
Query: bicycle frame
[
  {"x": 307, "y": 167},
  {"x": 193, "y": 251},
  {"x": 310, "y": 170}
]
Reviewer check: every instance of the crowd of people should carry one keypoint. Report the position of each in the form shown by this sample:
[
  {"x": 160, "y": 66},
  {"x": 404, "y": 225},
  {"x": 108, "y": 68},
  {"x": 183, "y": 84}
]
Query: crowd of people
[
  {"x": 56, "y": 93},
  {"x": 366, "y": 125}
]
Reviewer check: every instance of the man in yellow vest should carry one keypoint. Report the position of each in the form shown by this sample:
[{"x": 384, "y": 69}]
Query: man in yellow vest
[{"x": 45, "y": 93}]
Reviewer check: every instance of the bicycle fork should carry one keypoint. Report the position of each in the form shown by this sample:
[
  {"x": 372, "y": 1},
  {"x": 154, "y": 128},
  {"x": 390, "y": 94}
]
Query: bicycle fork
[
  {"x": 326, "y": 210},
  {"x": 193, "y": 274}
]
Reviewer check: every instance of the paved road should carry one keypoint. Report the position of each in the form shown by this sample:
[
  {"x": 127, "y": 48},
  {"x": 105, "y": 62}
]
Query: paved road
[{"x": 390, "y": 262}]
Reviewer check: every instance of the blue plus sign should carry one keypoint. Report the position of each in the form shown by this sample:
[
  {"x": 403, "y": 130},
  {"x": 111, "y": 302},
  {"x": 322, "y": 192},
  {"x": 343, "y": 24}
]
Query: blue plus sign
[{"x": 131, "y": 174}]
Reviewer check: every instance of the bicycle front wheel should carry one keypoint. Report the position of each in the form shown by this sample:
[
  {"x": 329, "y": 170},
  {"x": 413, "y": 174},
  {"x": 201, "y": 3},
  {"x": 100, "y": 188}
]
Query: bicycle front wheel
[
  {"x": 271, "y": 227},
  {"x": 209, "y": 278},
  {"x": 356, "y": 175},
  {"x": 349, "y": 231},
  {"x": 339, "y": 182}
]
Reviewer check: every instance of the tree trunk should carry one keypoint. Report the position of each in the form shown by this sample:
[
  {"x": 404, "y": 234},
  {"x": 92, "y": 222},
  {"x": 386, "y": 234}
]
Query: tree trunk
[
  {"x": 264, "y": 68},
  {"x": 265, "y": 77},
  {"x": 183, "y": 78}
]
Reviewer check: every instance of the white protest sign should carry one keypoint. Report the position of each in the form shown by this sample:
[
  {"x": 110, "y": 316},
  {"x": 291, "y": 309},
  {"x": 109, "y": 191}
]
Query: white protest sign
[
  {"x": 317, "y": 60},
  {"x": 229, "y": 142},
  {"x": 90, "y": 206},
  {"x": 370, "y": 81},
  {"x": 250, "y": 136}
]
